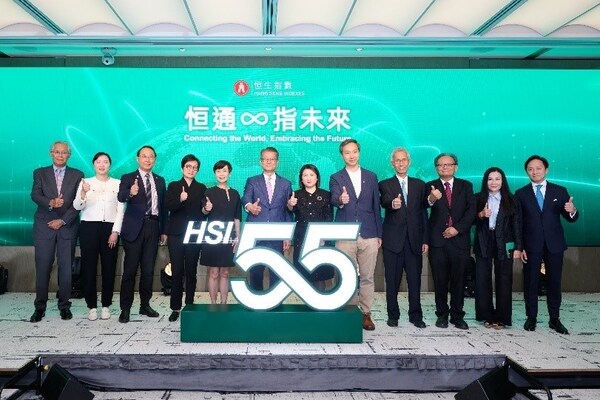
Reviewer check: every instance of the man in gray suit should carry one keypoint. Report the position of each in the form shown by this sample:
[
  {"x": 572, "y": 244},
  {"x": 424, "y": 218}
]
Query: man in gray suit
[
  {"x": 54, "y": 228},
  {"x": 355, "y": 194}
]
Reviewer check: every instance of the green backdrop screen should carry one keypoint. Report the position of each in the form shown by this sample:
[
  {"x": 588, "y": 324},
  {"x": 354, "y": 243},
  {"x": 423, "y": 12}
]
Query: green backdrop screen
[{"x": 486, "y": 117}]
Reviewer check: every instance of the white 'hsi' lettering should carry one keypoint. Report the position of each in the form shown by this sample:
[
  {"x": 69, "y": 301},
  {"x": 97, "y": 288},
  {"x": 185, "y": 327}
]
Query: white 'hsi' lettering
[{"x": 213, "y": 232}]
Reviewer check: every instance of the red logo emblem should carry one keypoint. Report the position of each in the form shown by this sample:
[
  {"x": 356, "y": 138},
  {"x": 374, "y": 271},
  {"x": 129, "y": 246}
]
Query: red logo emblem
[{"x": 241, "y": 88}]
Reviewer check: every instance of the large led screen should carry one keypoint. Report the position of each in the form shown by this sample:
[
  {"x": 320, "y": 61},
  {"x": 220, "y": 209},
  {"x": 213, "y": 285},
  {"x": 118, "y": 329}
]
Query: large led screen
[{"x": 486, "y": 117}]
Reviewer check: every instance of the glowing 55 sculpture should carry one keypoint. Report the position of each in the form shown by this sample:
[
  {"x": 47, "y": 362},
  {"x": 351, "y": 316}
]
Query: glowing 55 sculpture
[{"x": 312, "y": 255}]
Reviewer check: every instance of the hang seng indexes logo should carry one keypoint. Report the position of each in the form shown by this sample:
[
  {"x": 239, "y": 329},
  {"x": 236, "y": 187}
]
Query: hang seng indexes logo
[{"x": 312, "y": 255}]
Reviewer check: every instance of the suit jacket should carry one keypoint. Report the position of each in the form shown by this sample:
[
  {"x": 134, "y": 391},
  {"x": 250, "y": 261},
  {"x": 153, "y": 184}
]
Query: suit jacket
[
  {"x": 508, "y": 229},
  {"x": 409, "y": 222},
  {"x": 190, "y": 210},
  {"x": 544, "y": 227},
  {"x": 463, "y": 213},
  {"x": 276, "y": 210},
  {"x": 364, "y": 209},
  {"x": 136, "y": 205},
  {"x": 44, "y": 189}
]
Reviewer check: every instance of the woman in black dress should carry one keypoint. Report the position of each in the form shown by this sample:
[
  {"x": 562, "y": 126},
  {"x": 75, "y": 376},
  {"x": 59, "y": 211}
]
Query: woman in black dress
[
  {"x": 497, "y": 235},
  {"x": 310, "y": 204},
  {"x": 221, "y": 203}
]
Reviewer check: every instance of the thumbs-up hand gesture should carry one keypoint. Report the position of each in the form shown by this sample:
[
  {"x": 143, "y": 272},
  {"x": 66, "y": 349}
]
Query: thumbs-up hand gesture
[
  {"x": 85, "y": 187},
  {"x": 57, "y": 202},
  {"x": 183, "y": 196},
  {"x": 434, "y": 195},
  {"x": 254, "y": 208},
  {"x": 208, "y": 205},
  {"x": 397, "y": 202},
  {"x": 486, "y": 212},
  {"x": 292, "y": 201},
  {"x": 134, "y": 188},
  {"x": 569, "y": 206},
  {"x": 344, "y": 197}
]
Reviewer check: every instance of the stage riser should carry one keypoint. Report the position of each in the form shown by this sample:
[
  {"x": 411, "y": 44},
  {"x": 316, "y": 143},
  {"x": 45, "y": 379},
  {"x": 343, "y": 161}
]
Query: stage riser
[{"x": 288, "y": 323}]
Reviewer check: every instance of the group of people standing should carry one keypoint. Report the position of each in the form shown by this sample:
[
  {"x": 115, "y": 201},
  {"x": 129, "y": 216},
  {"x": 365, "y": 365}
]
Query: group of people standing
[{"x": 420, "y": 218}]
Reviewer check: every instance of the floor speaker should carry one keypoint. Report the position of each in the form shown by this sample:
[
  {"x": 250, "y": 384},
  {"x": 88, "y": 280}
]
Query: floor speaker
[
  {"x": 61, "y": 385},
  {"x": 494, "y": 385}
]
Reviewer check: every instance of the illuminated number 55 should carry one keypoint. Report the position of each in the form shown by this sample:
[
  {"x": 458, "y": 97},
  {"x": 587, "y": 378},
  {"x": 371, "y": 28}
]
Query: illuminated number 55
[{"x": 311, "y": 257}]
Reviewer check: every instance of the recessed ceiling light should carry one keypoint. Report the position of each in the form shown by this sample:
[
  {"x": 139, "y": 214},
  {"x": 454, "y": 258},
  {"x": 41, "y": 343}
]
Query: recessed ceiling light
[
  {"x": 182, "y": 49},
  {"x": 359, "y": 49},
  {"x": 268, "y": 48}
]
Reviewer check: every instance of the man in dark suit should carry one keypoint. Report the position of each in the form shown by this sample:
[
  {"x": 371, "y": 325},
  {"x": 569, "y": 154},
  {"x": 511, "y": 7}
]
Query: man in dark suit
[
  {"x": 265, "y": 200},
  {"x": 405, "y": 237},
  {"x": 542, "y": 204},
  {"x": 452, "y": 213},
  {"x": 355, "y": 194},
  {"x": 143, "y": 224},
  {"x": 54, "y": 228}
]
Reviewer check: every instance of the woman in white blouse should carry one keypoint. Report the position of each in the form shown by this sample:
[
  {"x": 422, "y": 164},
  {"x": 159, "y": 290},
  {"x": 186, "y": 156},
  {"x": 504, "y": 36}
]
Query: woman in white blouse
[{"x": 101, "y": 219}]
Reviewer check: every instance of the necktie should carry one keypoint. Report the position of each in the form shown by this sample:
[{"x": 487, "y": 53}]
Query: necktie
[
  {"x": 448, "y": 192},
  {"x": 404, "y": 194},
  {"x": 148, "y": 195},
  {"x": 59, "y": 179},
  {"x": 270, "y": 188},
  {"x": 539, "y": 197}
]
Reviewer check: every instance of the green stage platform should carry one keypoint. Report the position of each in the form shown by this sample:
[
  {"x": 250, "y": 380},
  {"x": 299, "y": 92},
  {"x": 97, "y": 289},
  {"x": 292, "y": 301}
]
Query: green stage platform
[{"x": 288, "y": 323}]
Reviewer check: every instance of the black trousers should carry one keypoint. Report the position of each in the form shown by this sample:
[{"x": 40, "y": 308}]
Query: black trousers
[
  {"x": 394, "y": 264},
  {"x": 503, "y": 275},
  {"x": 184, "y": 262},
  {"x": 448, "y": 264},
  {"x": 93, "y": 240},
  {"x": 531, "y": 283},
  {"x": 142, "y": 251}
]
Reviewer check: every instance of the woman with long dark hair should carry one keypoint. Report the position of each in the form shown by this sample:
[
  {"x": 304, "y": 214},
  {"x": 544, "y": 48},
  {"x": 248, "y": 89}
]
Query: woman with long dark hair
[{"x": 497, "y": 241}]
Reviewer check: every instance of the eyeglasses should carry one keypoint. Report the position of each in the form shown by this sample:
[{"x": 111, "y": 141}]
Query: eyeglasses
[
  {"x": 445, "y": 165},
  {"x": 192, "y": 167},
  {"x": 147, "y": 157}
]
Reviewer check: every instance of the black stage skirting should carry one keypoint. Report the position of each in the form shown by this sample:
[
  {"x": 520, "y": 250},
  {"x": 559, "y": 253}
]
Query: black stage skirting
[{"x": 276, "y": 373}]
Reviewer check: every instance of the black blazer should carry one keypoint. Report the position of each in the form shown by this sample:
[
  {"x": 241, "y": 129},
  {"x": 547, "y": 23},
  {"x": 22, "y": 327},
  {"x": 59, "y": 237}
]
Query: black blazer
[
  {"x": 407, "y": 222},
  {"x": 463, "y": 213},
  {"x": 190, "y": 210},
  {"x": 508, "y": 229},
  {"x": 541, "y": 227},
  {"x": 136, "y": 205}
]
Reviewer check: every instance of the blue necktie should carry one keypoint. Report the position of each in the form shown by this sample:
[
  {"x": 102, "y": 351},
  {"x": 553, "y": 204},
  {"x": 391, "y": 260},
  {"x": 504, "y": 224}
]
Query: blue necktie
[{"x": 539, "y": 197}]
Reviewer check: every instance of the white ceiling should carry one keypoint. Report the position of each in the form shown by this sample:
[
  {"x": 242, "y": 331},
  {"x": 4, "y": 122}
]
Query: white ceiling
[{"x": 314, "y": 28}]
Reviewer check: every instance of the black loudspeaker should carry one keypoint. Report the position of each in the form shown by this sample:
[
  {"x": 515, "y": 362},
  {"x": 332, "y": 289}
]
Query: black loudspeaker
[
  {"x": 61, "y": 385},
  {"x": 494, "y": 385}
]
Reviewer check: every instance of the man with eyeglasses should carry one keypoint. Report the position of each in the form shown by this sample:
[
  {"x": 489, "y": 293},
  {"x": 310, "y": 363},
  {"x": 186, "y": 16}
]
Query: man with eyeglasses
[
  {"x": 452, "y": 213},
  {"x": 55, "y": 226},
  {"x": 265, "y": 200},
  {"x": 143, "y": 225},
  {"x": 405, "y": 237}
]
